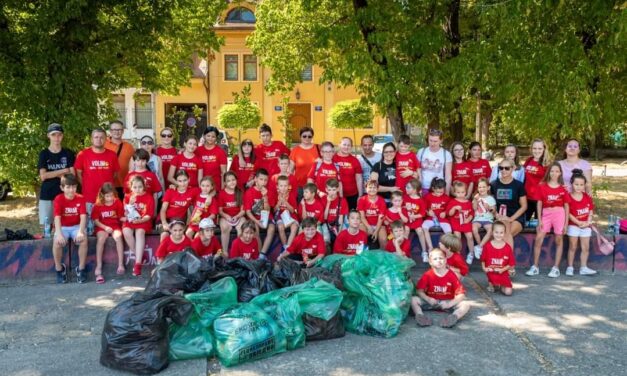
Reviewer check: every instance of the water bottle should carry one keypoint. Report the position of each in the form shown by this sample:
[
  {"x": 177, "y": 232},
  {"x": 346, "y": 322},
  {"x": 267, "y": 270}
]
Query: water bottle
[
  {"x": 90, "y": 227},
  {"x": 436, "y": 221},
  {"x": 611, "y": 223},
  {"x": 47, "y": 228},
  {"x": 617, "y": 225}
]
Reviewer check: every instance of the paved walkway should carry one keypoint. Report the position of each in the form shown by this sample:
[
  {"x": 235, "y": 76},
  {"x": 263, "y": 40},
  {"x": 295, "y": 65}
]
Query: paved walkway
[{"x": 569, "y": 326}]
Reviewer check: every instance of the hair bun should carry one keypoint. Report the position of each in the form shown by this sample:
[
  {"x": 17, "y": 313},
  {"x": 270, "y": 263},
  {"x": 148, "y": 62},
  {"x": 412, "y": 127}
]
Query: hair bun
[{"x": 577, "y": 171}]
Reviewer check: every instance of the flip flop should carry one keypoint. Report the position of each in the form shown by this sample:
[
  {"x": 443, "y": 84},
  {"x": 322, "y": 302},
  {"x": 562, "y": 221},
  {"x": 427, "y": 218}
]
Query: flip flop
[
  {"x": 100, "y": 279},
  {"x": 121, "y": 270},
  {"x": 449, "y": 321}
]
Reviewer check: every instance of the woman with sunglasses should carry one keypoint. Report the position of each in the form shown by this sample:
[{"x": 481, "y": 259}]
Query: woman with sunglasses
[
  {"x": 304, "y": 155},
  {"x": 435, "y": 162},
  {"x": 511, "y": 152},
  {"x": 384, "y": 172},
  {"x": 166, "y": 151},
  {"x": 243, "y": 165},
  {"x": 154, "y": 163},
  {"x": 572, "y": 161},
  {"x": 511, "y": 200},
  {"x": 214, "y": 159}
]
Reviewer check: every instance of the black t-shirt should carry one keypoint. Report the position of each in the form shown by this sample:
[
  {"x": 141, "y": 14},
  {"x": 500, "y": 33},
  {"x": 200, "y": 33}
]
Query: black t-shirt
[
  {"x": 50, "y": 161},
  {"x": 508, "y": 194},
  {"x": 387, "y": 176}
]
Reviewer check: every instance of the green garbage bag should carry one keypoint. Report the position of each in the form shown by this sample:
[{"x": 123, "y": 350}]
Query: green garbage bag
[
  {"x": 214, "y": 299},
  {"x": 190, "y": 341},
  {"x": 287, "y": 313},
  {"x": 246, "y": 332},
  {"x": 328, "y": 262},
  {"x": 362, "y": 316}
]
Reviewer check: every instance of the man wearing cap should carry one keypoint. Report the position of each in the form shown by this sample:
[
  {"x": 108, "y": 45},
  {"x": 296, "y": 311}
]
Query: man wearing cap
[
  {"x": 54, "y": 162},
  {"x": 124, "y": 152}
]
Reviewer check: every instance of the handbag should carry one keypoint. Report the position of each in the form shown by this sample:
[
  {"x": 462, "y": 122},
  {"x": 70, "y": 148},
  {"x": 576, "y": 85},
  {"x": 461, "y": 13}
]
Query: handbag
[{"x": 605, "y": 246}]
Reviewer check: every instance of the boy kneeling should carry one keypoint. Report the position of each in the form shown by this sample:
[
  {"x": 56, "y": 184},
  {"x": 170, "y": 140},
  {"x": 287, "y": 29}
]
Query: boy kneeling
[
  {"x": 439, "y": 289},
  {"x": 308, "y": 246}
]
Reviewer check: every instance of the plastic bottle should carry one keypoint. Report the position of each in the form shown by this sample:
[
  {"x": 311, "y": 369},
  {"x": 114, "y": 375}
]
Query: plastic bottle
[
  {"x": 47, "y": 228},
  {"x": 90, "y": 227},
  {"x": 436, "y": 221}
]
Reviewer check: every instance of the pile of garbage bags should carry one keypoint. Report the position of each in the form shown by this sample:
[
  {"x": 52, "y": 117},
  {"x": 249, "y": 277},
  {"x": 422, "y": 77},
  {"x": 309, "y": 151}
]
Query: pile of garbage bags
[{"x": 240, "y": 310}]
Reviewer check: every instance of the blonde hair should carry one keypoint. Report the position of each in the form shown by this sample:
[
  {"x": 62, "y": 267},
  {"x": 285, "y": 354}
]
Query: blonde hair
[
  {"x": 546, "y": 157},
  {"x": 451, "y": 242}
]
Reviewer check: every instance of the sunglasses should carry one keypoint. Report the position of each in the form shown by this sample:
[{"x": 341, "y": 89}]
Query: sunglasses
[
  {"x": 307, "y": 136},
  {"x": 506, "y": 168},
  {"x": 166, "y": 135},
  {"x": 247, "y": 144},
  {"x": 147, "y": 143}
]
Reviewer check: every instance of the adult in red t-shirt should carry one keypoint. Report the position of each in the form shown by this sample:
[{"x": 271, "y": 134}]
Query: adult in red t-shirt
[
  {"x": 243, "y": 165},
  {"x": 95, "y": 166},
  {"x": 268, "y": 152},
  {"x": 350, "y": 172},
  {"x": 189, "y": 162},
  {"x": 165, "y": 150},
  {"x": 213, "y": 157},
  {"x": 480, "y": 168}
]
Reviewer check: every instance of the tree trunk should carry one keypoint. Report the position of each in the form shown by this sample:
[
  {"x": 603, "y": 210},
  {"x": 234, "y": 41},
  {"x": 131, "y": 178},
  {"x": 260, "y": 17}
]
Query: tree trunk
[
  {"x": 486, "y": 120},
  {"x": 456, "y": 121},
  {"x": 207, "y": 83},
  {"x": 478, "y": 119},
  {"x": 397, "y": 123}
]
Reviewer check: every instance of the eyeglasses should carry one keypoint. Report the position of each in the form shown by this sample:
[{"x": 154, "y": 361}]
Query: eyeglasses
[
  {"x": 116, "y": 129},
  {"x": 327, "y": 151},
  {"x": 306, "y": 136},
  {"x": 572, "y": 146},
  {"x": 147, "y": 143},
  {"x": 166, "y": 135},
  {"x": 506, "y": 168}
]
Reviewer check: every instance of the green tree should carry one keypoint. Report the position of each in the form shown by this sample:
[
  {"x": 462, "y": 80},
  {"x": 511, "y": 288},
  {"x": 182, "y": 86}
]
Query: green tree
[
  {"x": 241, "y": 115},
  {"x": 351, "y": 114},
  {"x": 61, "y": 59}
]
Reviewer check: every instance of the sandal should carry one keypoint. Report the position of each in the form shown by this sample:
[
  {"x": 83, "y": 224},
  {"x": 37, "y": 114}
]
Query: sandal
[
  {"x": 423, "y": 320},
  {"x": 121, "y": 270},
  {"x": 100, "y": 279},
  {"x": 449, "y": 321}
]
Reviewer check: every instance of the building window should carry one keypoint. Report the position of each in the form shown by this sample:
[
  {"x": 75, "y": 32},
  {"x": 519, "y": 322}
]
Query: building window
[
  {"x": 230, "y": 68},
  {"x": 307, "y": 74},
  {"x": 143, "y": 112},
  {"x": 241, "y": 15},
  {"x": 120, "y": 107},
  {"x": 250, "y": 68}
]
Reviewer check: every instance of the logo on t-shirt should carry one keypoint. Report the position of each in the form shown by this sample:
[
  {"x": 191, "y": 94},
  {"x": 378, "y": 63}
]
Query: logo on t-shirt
[
  {"x": 441, "y": 289},
  {"x": 504, "y": 194}
]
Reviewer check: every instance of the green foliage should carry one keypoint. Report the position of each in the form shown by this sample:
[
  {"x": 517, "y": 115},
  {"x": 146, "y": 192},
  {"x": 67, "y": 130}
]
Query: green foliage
[
  {"x": 284, "y": 119},
  {"x": 351, "y": 114},
  {"x": 61, "y": 59},
  {"x": 241, "y": 115}
]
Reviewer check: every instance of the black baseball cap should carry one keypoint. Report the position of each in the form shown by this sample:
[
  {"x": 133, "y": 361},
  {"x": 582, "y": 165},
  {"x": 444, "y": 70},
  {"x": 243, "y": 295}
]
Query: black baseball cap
[{"x": 55, "y": 127}]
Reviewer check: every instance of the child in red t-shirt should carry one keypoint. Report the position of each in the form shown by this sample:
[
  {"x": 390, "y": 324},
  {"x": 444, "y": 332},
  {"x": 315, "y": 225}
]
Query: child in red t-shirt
[
  {"x": 396, "y": 212},
  {"x": 140, "y": 159},
  {"x": 497, "y": 259},
  {"x": 187, "y": 161},
  {"x": 439, "y": 289},
  {"x": 553, "y": 213},
  {"x": 108, "y": 214},
  {"x": 70, "y": 219},
  {"x": 352, "y": 240},
  {"x": 460, "y": 212},
  {"x": 176, "y": 242},
  {"x": 372, "y": 209},
  {"x": 579, "y": 225},
  {"x": 204, "y": 206},
  {"x": 256, "y": 204},
  {"x": 416, "y": 211},
  {"x": 246, "y": 245},
  {"x": 436, "y": 202},
  {"x": 285, "y": 210},
  {"x": 308, "y": 246},
  {"x": 230, "y": 208},
  {"x": 324, "y": 169},
  {"x": 176, "y": 202},
  {"x": 452, "y": 246},
  {"x": 310, "y": 205},
  {"x": 399, "y": 243},
  {"x": 407, "y": 164},
  {"x": 139, "y": 207},
  {"x": 284, "y": 170},
  {"x": 205, "y": 244},
  {"x": 335, "y": 211}
]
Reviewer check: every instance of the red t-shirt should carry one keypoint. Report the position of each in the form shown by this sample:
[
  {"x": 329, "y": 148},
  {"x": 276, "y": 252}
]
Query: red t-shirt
[
  {"x": 190, "y": 165},
  {"x": 315, "y": 210},
  {"x": 493, "y": 257},
  {"x": 244, "y": 172},
  {"x": 458, "y": 262},
  {"x": 440, "y": 288},
  {"x": 462, "y": 171},
  {"x": 292, "y": 186},
  {"x": 405, "y": 247},
  {"x": 228, "y": 203},
  {"x": 200, "y": 205},
  {"x": 349, "y": 166},
  {"x": 145, "y": 206},
  {"x": 321, "y": 174},
  {"x": 69, "y": 210},
  {"x": 308, "y": 248},
  {"x": 280, "y": 208},
  {"x": 437, "y": 204},
  {"x": 268, "y": 156},
  {"x": 248, "y": 251},
  {"x": 416, "y": 206},
  {"x": 348, "y": 244},
  {"x": 166, "y": 155},
  {"x": 108, "y": 215},
  {"x": 168, "y": 246},
  {"x": 203, "y": 250},
  {"x": 152, "y": 181},
  {"x": 553, "y": 197},
  {"x": 581, "y": 209},
  {"x": 391, "y": 216},
  {"x": 534, "y": 172},
  {"x": 479, "y": 169},
  {"x": 405, "y": 162},
  {"x": 97, "y": 169},
  {"x": 337, "y": 207},
  {"x": 251, "y": 197},
  {"x": 460, "y": 217},
  {"x": 212, "y": 161},
  {"x": 372, "y": 210},
  {"x": 179, "y": 202}
]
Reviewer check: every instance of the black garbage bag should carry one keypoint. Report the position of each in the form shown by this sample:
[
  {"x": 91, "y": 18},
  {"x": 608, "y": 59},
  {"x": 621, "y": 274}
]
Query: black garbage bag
[
  {"x": 289, "y": 273},
  {"x": 318, "y": 329},
  {"x": 180, "y": 271},
  {"x": 253, "y": 277},
  {"x": 17, "y": 235},
  {"x": 135, "y": 334}
]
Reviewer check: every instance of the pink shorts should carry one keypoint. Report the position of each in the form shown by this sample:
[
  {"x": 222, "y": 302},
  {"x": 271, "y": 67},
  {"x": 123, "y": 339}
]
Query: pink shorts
[{"x": 553, "y": 218}]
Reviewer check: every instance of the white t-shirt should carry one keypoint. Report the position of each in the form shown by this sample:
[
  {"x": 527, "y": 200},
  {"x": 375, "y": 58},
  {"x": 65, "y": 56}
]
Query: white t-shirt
[
  {"x": 376, "y": 157},
  {"x": 433, "y": 165}
]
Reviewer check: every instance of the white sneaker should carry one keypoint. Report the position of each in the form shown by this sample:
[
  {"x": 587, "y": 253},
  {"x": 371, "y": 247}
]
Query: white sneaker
[
  {"x": 554, "y": 273},
  {"x": 469, "y": 258},
  {"x": 425, "y": 257},
  {"x": 587, "y": 271},
  {"x": 570, "y": 271},
  {"x": 533, "y": 271},
  {"x": 478, "y": 251}
]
